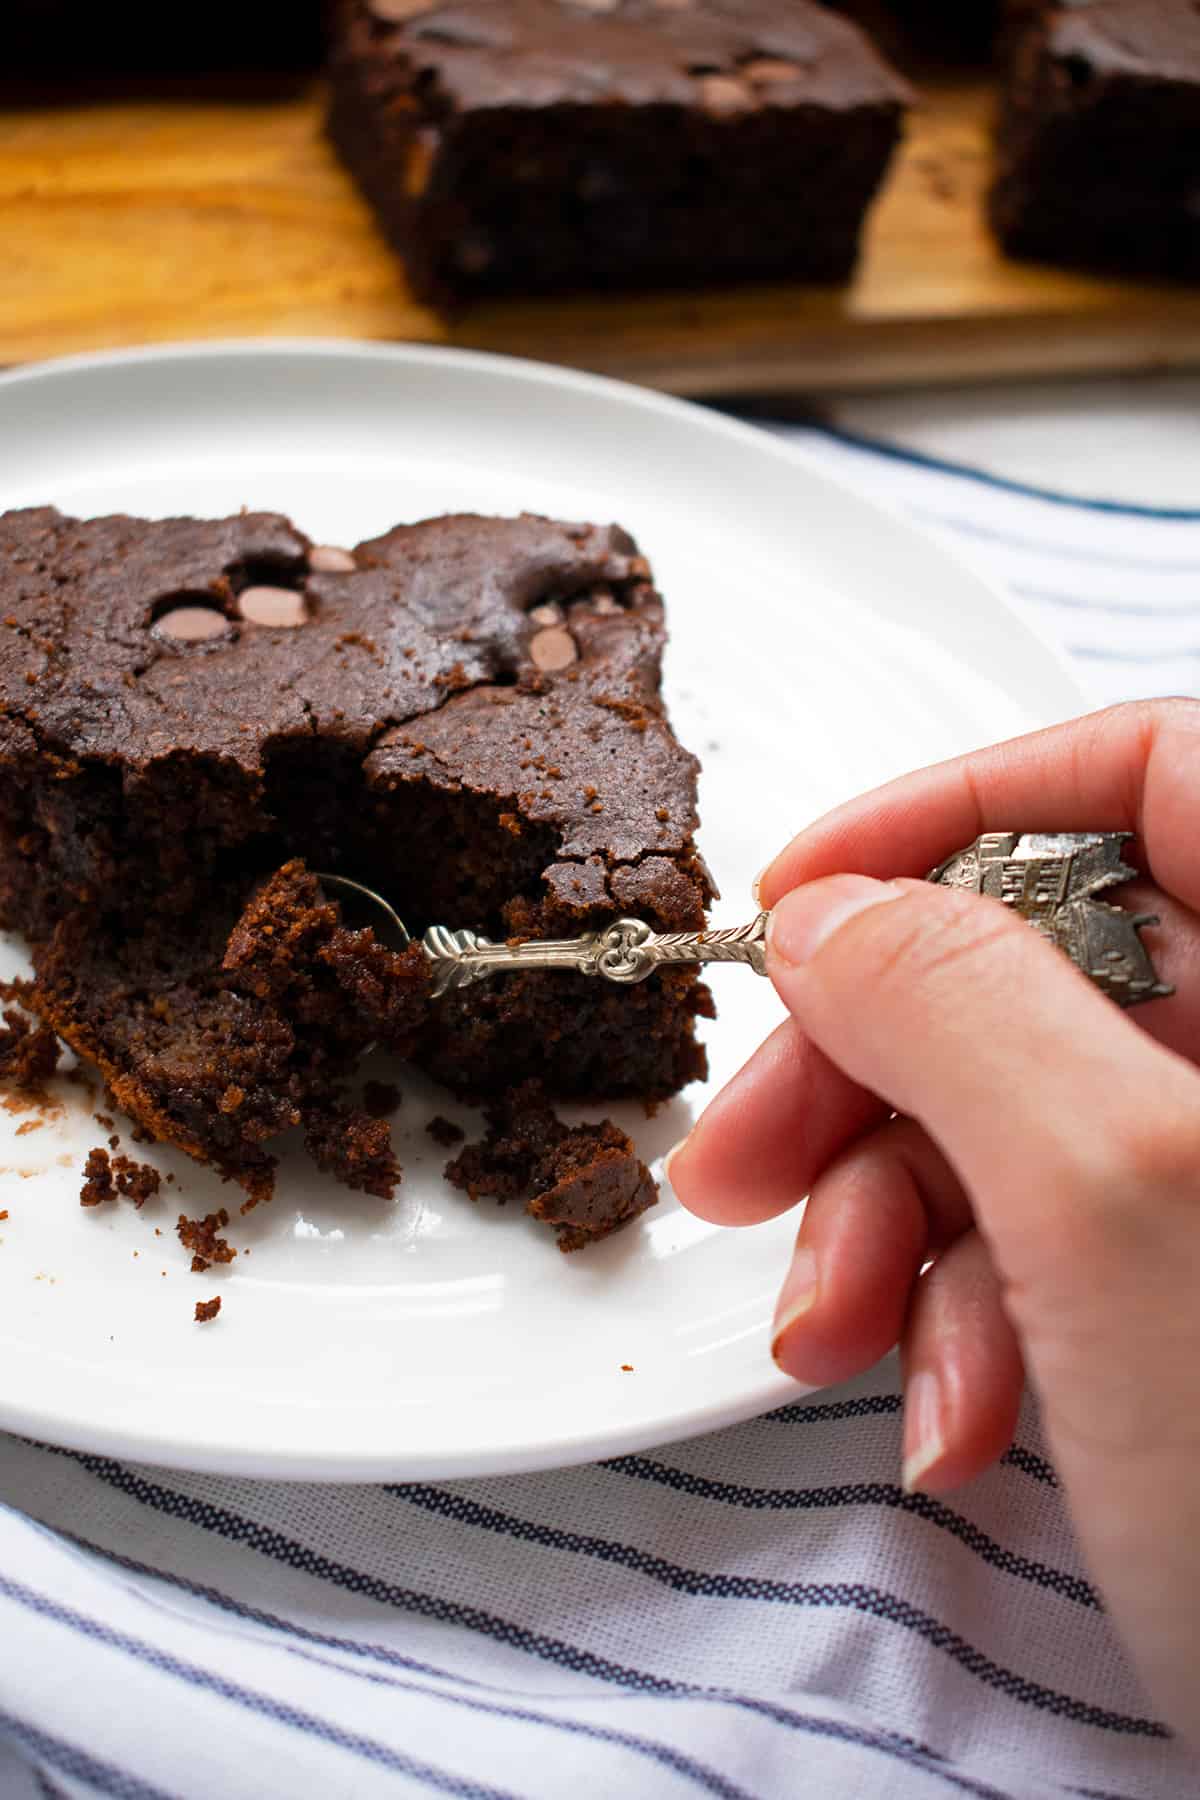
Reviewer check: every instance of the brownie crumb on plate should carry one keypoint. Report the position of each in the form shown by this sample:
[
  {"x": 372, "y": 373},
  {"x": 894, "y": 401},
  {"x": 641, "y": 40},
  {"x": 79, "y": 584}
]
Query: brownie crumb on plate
[
  {"x": 201, "y": 1237},
  {"x": 444, "y": 1131},
  {"x": 98, "y": 1182},
  {"x": 138, "y": 1181},
  {"x": 584, "y": 1180},
  {"x": 354, "y": 1147},
  {"x": 207, "y": 1309}
]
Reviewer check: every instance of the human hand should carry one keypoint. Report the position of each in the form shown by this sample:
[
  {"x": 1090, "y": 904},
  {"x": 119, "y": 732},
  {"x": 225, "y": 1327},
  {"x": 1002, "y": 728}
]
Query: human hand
[{"x": 1046, "y": 1155}]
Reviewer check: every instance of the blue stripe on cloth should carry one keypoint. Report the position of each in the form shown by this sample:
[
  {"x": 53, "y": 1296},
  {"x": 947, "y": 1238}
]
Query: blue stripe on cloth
[
  {"x": 833, "y": 1410},
  {"x": 885, "y": 1743},
  {"x": 45, "y": 1786},
  {"x": 853, "y": 1596},
  {"x": 77, "y": 1764},
  {"x": 264, "y": 1541},
  {"x": 711, "y": 1780},
  {"x": 874, "y": 1493},
  {"x": 280, "y": 1712},
  {"x": 1015, "y": 540},
  {"x": 922, "y": 459},
  {"x": 1110, "y": 608},
  {"x": 1100, "y": 653},
  {"x": 888, "y": 1406},
  {"x": 1030, "y": 1464}
]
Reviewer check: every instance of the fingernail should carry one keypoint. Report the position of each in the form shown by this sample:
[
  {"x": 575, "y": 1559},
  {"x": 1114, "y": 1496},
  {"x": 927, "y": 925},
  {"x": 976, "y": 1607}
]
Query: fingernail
[
  {"x": 798, "y": 1297},
  {"x": 924, "y": 1445},
  {"x": 669, "y": 1158},
  {"x": 756, "y": 884},
  {"x": 805, "y": 918}
]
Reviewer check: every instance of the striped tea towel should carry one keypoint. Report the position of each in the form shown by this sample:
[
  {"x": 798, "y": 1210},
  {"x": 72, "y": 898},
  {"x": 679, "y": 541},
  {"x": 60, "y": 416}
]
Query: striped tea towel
[{"x": 759, "y": 1613}]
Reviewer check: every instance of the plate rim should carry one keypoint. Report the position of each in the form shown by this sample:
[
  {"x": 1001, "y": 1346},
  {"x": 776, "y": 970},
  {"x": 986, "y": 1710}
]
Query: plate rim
[{"x": 148, "y": 1444}]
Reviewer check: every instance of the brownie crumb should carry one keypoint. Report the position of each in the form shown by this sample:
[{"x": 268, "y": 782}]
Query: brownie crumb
[
  {"x": 354, "y": 1147},
  {"x": 105, "y": 1121},
  {"x": 380, "y": 1098},
  {"x": 584, "y": 1180},
  {"x": 207, "y": 1309},
  {"x": 139, "y": 1182},
  {"x": 3, "y": 1215},
  {"x": 445, "y": 1132},
  {"x": 98, "y": 1183},
  {"x": 28, "y": 1051},
  {"x": 201, "y": 1236}
]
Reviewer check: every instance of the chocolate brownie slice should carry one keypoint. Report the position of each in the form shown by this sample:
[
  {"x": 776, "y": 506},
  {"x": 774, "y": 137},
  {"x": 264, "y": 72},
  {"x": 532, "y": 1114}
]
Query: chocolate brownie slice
[
  {"x": 523, "y": 145},
  {"x": 465, "y": 713},
  {"x": 1099, "y": 136}
]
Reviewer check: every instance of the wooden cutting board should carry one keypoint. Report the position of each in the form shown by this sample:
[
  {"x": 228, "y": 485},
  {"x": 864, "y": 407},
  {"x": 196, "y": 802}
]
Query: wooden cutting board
[{"x": 134, "y": 221}]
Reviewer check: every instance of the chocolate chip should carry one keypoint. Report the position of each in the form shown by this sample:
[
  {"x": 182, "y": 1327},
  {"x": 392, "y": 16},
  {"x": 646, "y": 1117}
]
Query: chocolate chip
[
  {"x": 394, "y": 12},
  {"x": 553, "y": 649},
  {"x": 272, "y": 606},
  {"x": 192, "y": 624},
  {"x": 763, "y": 70},
  {"x": 722, "y": 95},
  {"x": 549, "y": 614},
  {"x": 327, "y": 559}
]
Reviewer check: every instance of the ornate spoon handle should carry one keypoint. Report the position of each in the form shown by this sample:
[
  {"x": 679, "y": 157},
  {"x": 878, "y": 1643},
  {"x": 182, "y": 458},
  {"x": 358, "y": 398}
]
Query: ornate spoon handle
[
  {"x": 628, "y": 950},
  {"x": 1051, "y": 879}
]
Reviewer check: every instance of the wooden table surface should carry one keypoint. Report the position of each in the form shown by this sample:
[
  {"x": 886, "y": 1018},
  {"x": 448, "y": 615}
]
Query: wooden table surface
[{"x": 126, "y": 221}]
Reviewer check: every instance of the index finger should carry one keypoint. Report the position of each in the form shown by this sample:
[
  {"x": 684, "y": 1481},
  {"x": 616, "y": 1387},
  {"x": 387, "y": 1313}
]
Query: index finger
[{"x": 1134, "y": 768}]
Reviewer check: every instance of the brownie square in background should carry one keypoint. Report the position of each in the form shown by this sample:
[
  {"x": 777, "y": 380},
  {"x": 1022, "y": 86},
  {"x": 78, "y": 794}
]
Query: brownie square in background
[
  {"x": 530, "y": 145},
  {"x": 1099, "y": 136}
]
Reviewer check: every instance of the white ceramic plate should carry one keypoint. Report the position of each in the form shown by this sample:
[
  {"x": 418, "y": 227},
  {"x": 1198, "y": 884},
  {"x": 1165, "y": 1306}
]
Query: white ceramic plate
[{"x": 818, "y": 645}]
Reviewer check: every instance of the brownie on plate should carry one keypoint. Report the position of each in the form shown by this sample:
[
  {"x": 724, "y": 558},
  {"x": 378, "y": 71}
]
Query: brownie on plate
[
  {"x": 1099, "y": 136},
  {"x": 523, "y": 145},
  {"x": 464, "y": 713}
]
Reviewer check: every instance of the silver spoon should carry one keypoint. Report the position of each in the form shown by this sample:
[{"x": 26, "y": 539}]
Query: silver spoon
[
  {"x": 628, "y": 950},
  {"x": 1049, "y": 878}
]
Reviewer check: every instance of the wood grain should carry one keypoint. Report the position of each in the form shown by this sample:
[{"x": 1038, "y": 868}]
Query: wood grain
[{"x": 137, "y": 221}]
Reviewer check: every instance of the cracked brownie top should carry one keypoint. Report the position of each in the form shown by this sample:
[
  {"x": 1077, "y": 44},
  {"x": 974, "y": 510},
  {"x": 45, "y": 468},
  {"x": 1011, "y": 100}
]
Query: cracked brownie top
[{"x": 467, "y": 709}]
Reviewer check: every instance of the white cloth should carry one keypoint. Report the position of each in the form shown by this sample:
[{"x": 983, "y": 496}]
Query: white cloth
[{"x": 759, "y": 1613}]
